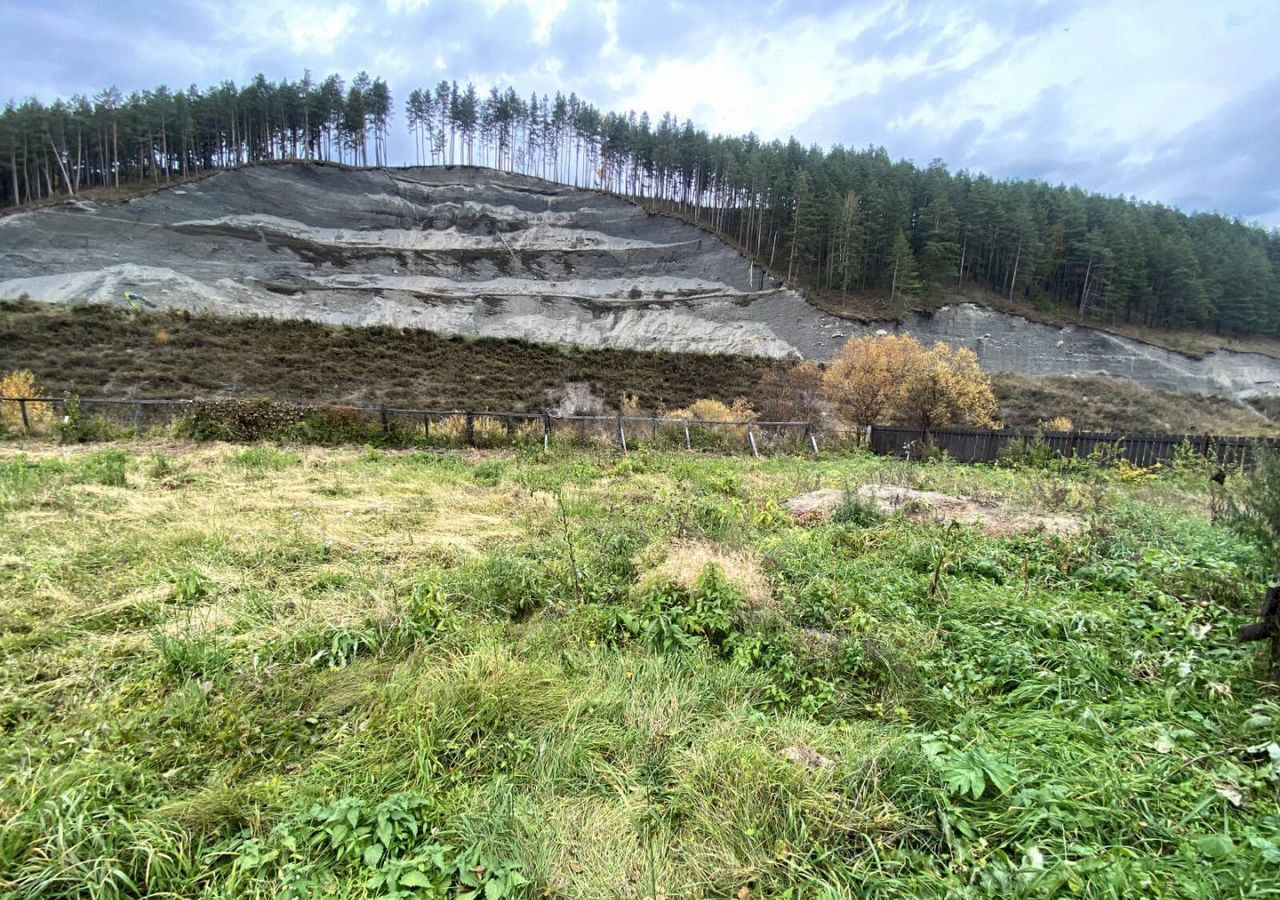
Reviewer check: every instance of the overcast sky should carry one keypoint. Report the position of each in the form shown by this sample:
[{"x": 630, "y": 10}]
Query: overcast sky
[{"x": 1170, "y": 100}]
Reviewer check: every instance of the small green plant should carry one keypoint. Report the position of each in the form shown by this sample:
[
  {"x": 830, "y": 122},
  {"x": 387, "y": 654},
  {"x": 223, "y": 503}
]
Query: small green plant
[
  {"x": 967, "y": 771},
  {"x": 184, "y": 658},
  {"x": 1024, "y": 453},
  {"x": 488, "y": 474},
  {"x": 265, "y": 459},
  {"x": 387, "y": 848},
  {"x": 160, "y": 466},
  {"x": 73, "y": 429},
  {"x": 189, "y": 586},
  {"x": 1254, "y": 509},
  {"x": 669, "y": 618},
  {"x": 853, "y": 510},
  {"x": 106, "y": 467}
]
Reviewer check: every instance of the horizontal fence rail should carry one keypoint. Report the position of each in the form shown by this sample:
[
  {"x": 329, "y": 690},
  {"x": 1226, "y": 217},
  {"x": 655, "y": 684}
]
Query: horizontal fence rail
[{"x": 488, "y": 428}]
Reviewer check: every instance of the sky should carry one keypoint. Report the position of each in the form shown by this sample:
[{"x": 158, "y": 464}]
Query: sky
[{"x": 1176, "y": 101}]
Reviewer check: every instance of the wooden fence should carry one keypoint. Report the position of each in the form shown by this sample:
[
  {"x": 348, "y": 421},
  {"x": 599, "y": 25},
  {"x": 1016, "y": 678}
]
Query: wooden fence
[
  {"x": 986, "y": 445},
  {"x": 488, "y": 429}
]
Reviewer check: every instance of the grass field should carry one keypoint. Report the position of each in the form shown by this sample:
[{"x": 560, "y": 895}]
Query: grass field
[{"x": 274, "y": 672}]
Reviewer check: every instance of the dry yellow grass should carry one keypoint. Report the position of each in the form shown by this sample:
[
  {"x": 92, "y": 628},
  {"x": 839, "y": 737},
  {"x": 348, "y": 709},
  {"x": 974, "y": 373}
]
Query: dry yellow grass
[{"x": 681, "y": 562}]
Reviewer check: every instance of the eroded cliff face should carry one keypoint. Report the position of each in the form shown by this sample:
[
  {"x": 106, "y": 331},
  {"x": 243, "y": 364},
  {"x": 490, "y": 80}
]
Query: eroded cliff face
[{"x": 472, "y": 251}]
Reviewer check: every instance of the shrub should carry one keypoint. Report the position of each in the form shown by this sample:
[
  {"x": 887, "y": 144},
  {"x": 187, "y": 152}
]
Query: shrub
[
  {"x": 243, "y": 420},
  {"x": 668, "y": 617},
  {"x": 1021, "y": 453},
  {"x": 19, "y": 385},
  {"x": 792, "y": 394},
  {"x": 715, "y": 411},
  {"x": 106, "y": 468},
  {"x": 1254, "y": 510},
  {"x": 895, "y": 377},
  {"x": 864, "y": 382},
  {"x": 76, "y": 428},
  {"x": 334, "y": 425},
  {"x": 855, "y": 511}
]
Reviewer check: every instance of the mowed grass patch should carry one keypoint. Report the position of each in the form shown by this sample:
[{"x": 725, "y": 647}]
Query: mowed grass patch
[{"x": 261, "y": 671}]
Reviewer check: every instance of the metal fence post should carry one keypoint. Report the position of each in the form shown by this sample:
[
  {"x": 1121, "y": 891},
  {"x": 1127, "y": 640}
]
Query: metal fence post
[
  {"x": 622, "y": 436},
  {"x": 471, "y": 429},
  {"x": 546, "y": 432},
  {"x": 688, "y": 441},
  {"x": 137, "y": 417},
  {"x": 26, "y": 423},
  {"x": 751, "y": 439},
  {"x": 386, "y": 423}
]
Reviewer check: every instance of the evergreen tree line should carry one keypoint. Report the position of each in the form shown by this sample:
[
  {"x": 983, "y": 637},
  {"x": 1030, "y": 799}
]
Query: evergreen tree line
[{"x": 838, "y": 221}]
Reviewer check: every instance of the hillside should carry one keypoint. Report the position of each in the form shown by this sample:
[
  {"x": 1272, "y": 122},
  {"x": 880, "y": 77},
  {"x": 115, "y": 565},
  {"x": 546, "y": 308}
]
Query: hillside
[
  {"x": 476, "y": 252},
  {"x": 99, "y": 350},
  {"x": 833, "y": 220}
]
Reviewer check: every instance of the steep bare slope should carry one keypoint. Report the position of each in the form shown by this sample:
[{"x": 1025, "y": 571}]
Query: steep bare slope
[{"x": 473, "y": 251}]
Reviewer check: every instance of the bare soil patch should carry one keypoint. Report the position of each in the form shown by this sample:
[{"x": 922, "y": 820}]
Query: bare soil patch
[{"x": 995, "y": 519}]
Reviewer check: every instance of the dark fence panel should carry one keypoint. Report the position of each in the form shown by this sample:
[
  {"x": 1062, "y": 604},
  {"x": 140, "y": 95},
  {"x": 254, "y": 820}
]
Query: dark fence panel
[{"x": 985, "y": 445}]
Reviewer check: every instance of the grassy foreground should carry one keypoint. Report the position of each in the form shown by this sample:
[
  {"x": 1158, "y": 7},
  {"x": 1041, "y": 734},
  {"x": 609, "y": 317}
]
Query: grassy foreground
[{"x": 269, "y": 672}]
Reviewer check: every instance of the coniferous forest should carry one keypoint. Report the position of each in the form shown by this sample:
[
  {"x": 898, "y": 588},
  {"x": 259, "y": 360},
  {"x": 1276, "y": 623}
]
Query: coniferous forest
[{"x": 835, "y": 221}]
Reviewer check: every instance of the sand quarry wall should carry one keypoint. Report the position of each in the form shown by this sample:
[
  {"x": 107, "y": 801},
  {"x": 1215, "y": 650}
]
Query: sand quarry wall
[{"x": 473, "y": 251}]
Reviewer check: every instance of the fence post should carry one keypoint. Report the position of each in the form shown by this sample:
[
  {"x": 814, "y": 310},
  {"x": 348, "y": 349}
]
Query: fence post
[
  {"x": 751, "y": 439},
  {"x": 386, "y": 424},
  {"x": 1204, "y": 444},
  {"x": 471, "y": 429},
  {"x": 546, "y": 432},
  {"x": 26, "y": 423},
  {"x": 622, "y": 436},
  {"x": 426, "y": 427},
  {"x": 653, "y": 422},
  {"x": 688, "y": 441},
  {"x": 137, "y": 417},
  {"x": 582, "y": 431},
  {"x": 511, "y": 429},
  {"x": 813, "y": 436}
]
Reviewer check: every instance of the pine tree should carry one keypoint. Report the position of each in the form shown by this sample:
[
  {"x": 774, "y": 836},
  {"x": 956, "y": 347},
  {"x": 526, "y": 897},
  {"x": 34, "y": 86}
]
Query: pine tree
[{"x": 905, "y": 279}]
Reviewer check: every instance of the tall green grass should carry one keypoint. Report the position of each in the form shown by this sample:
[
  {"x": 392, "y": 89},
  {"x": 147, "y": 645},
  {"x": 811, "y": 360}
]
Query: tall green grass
[{"x": 366, "y": 675}]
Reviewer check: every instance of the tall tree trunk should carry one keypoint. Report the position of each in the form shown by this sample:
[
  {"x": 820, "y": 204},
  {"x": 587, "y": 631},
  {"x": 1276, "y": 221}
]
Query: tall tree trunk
[
  {"x": 62, "y": 167},
  {"x": 1084, "y": 290},
  {"x": 1014, "y": 280}
]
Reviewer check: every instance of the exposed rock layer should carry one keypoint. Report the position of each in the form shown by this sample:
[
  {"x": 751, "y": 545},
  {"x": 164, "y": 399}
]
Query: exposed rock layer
[{"x": 477, "y": 252}]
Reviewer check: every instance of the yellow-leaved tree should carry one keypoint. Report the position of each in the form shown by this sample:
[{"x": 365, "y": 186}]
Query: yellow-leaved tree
[
  {"x": 893, "y": 378},
  {"x": 946, "y": 386},
  {"x": 20, "y": 385},
  {"x": 863, "y": 385}
]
